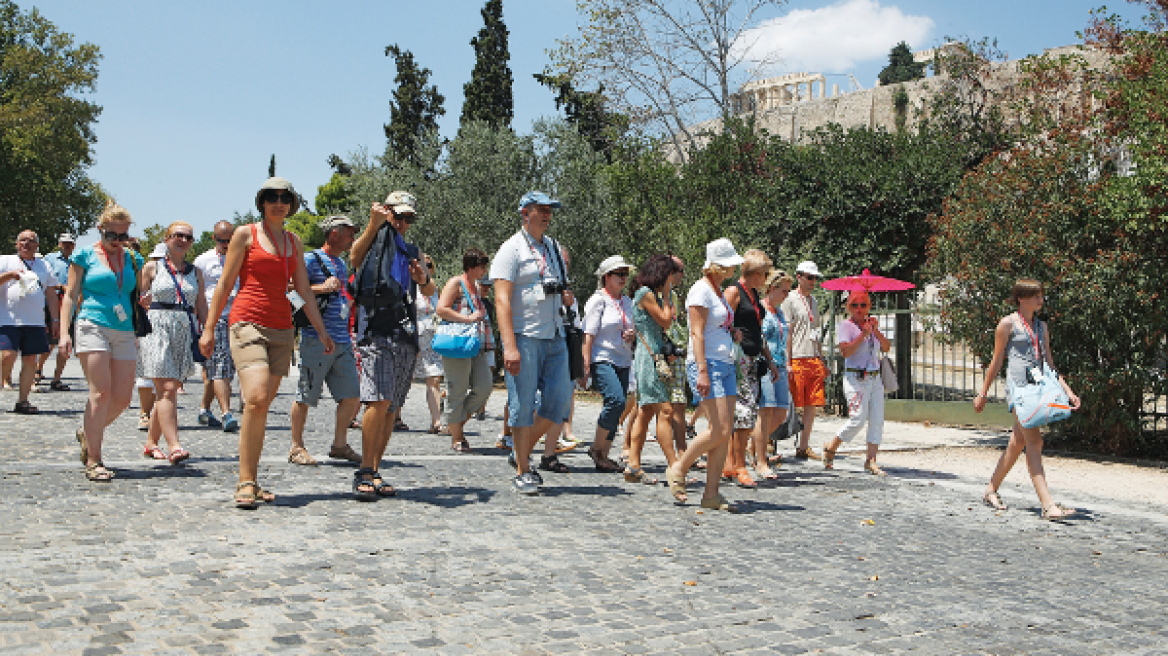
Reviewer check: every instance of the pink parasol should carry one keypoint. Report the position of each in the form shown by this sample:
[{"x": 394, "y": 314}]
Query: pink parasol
[{"x": 866, "y": 282}]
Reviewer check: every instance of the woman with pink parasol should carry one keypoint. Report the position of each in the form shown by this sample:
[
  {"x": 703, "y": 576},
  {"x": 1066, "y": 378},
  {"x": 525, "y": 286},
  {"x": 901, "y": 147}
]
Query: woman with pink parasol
[{"x": 861, "y": 343}]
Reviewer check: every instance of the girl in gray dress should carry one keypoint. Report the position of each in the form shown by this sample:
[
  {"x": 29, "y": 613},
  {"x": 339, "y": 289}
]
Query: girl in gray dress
[
  {"x": 174, "y": 299},
  {"x": 1021, "y": 338}
]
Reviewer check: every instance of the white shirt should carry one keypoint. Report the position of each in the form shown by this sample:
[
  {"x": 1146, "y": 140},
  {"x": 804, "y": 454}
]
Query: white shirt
[
  {"x": 27, "y": 308},
  {"x": 528, "y": 264},
  {"x": 867, "y": 355},
  {"x": 211, "y": 264},
  {"x": 605, "y": 319},
  {"x": 718, "y": 342}
]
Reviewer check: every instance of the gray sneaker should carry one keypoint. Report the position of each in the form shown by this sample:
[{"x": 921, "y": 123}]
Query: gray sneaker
[
  {"x": 525, "y": 484},
  {"x": 537, "y": 477},
  {"x": 514, "y": 462}
]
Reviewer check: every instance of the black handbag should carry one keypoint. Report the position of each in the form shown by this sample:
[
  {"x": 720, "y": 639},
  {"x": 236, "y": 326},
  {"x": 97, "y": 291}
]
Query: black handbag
[
  {"x": 575, "y": 339},
  {"x": 138, "y": 315},
  {"x": 300, "y": 317}
]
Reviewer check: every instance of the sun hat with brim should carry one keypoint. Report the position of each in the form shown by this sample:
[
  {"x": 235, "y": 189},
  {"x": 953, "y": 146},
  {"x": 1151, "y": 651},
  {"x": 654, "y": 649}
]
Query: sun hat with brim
[
  {"x": 722, "y": 253},
  {"x": 279, "y": 184},
  {"x": 159, "y": 251},
  {"x": 67, "y": 238},
  {"x": 611, "y": 264},
  {"x": 808, "y": 267},
  {"x": 402, "y": 202},
  {"x": 538, "y": 198}
]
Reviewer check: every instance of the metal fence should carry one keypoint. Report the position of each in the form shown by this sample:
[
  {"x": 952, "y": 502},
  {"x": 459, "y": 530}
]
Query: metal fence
[{"x": 932, "y": 367}]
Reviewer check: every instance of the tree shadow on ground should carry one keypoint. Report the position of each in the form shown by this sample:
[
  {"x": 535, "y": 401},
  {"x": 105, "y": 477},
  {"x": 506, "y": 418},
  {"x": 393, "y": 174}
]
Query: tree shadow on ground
[
  {"x": 302, "y": 500},
  {"x": 919, "y": 474},
  {"x": 160, "y": 472},
  {"x": 447, "y": 497},
  {"x": 593, "y": 491},
  {"x": 52, "y": 413}
]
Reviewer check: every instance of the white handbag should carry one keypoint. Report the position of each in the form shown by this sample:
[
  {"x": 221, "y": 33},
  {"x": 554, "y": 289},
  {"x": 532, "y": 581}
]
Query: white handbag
[{"x": 888, "y": 375}]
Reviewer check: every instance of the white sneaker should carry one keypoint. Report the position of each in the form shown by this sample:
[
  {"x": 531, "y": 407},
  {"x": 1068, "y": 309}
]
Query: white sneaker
[{"x": 564, "y": 445}]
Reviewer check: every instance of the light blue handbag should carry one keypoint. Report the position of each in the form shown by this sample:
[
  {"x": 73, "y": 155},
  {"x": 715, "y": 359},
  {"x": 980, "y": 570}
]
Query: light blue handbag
[
  {"x": 1042, "y": 402},
  {"x": 457, "y": 340}
]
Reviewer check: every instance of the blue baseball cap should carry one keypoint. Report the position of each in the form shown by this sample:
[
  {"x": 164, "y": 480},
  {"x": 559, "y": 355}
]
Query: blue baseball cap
[{"x": 538, "y": 198}]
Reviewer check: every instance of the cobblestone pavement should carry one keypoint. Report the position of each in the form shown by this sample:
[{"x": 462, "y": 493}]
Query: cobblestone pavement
[{"x": 159, "y": 561}]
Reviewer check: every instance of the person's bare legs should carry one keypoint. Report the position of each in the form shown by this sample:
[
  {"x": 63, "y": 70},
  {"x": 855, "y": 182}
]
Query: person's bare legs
[
  {"x": 222, "y": 388},
  {"x": 567, "y": 425},
  {"x": 208, "y": 391},
  {"x": 712, "y": 442},
  {"x": 807, "y": 414},
  {"x": 297, "y": 417},
  {"x": 677, "y": 426},
  {"x": 736, "y": 450},
  {"x": 769, "y": 419},
  {"x": 1030, "y": 441},
  {"x": 62, "y": 359},
  {"x": 111, "y": 388},
  {"x": 346, "y": 409},
  {"x": 434, "y": 400},
  {"x": 376, "y": 429},
  {"x": 635, "y": 437},
  {"x": 164, "y": 418},
  {"x": 258, "y": 388},
  {"x": 525, "y": 438},
  {"x": 27, "y": 376},
  {"x": 1006, "y": 461},
  {"x": 146, "y": 400}
]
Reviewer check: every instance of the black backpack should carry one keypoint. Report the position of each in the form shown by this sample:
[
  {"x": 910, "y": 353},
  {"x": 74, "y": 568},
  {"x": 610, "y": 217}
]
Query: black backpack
[{"x": 389, "y": 307}]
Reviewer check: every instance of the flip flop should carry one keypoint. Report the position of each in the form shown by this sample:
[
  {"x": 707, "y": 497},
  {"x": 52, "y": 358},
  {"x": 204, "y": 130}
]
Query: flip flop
[{"x": 152, "y": 452}]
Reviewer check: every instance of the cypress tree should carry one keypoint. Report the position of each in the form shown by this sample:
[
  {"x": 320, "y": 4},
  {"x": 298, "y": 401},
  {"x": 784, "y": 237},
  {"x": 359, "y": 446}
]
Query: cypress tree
[
  {"x": 901, "y": 67},
  {"x": 415, "y": 107},
  {"x": 488, "y": 94}
]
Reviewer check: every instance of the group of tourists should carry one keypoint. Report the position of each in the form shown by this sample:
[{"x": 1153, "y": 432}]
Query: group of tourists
[{"x": 747, "y": 353}]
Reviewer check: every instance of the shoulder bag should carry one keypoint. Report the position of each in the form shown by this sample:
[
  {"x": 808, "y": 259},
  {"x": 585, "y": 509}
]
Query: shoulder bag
[
  {"x": 138, "y": 314},
  {"x": 1043, "y": 401},
  {"x": 457, "y": 340},
  {"x": 196, "y": 354},
  {"x": 660, "y": 362}
]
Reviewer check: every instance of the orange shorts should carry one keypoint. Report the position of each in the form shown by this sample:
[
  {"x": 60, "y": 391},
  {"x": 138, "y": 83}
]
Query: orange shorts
[{"x": 807, "y": 376}]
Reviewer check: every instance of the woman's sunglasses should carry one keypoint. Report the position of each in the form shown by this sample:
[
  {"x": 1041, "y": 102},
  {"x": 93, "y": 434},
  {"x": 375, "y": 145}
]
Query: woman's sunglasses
[
  {"x": 285, "y": 197},
  {"x": 110, "y": 235},
  {"x": 857, "y": 305},
  {"x": 183, "y": 236}
]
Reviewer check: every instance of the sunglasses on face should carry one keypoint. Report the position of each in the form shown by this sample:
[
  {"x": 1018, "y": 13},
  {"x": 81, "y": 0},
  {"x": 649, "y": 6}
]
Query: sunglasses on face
[
  {"x": 110, "y": 235},
  {"x": 183, "y": 236},
  {"x": 857, "y": 305},
  {"x": 285, "y": 197},
  {"x": 223, "y": 241},
  {"x": 408, "y": 218},
  {"x": 621, "y": 274}
]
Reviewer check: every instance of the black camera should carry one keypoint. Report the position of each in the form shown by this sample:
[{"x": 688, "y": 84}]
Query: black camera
[
  {"x": 669, "y": 349},
  {"x": 551, "y": 287}
]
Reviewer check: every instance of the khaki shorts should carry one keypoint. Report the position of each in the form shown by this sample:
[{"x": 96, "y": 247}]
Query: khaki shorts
[
  {"x": 92, "y": 338},
  {"x": 254, "y": 346}
]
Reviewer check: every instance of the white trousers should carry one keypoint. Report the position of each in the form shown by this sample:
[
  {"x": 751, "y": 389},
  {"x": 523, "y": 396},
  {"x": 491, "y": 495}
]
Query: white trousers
[{"x": 865, "y": 405}]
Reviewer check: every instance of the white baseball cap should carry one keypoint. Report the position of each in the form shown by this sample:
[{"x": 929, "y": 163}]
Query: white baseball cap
[
  {"x": 808, "y": 267},
  {"x": 722, "y": 253}
]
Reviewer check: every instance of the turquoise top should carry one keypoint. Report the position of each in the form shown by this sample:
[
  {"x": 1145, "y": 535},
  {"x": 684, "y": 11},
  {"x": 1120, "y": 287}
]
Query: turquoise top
[
  {"x": 774, "y": 329},
  {"x": 100, "y": 291}
]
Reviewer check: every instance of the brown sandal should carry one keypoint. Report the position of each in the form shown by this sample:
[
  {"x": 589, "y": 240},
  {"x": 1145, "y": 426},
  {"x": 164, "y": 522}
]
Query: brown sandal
[
  {"x": 98, "y": 473},
  {"x": 829, "y": 458}
]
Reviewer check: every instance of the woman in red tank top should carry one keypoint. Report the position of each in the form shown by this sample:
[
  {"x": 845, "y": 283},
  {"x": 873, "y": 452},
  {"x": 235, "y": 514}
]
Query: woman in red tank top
[{"x": 264, "y": 257}]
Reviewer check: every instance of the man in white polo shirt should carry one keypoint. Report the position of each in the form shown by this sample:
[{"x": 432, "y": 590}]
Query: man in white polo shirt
[
  {"x": 24, "y": 280},
  {"x": 807, "y": 370}
]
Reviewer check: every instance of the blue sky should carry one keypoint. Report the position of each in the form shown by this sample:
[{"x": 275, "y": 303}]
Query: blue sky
[{"x": 198, "y": 96}]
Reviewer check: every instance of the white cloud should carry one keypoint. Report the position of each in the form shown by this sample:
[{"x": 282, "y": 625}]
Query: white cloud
[{"x": 834, "y": 38}]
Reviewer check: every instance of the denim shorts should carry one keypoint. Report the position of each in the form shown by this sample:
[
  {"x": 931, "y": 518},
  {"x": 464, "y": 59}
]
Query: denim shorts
[
  {"x": 543, "y": 366},
  {"x": 776, "y": 393},
  {"x": 612, "y": 382},
  {"x": 723, "y": 379}
]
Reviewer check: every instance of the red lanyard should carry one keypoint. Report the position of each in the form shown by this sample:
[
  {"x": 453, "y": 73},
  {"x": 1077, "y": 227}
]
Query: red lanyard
[
  {"x": 624, "y": 318},
  {"x": 539, "y": 256},
  {"x": 473, "y": 298},
  {"x": 1032, "y": 334},
  {"x": 757, "y": 312},
  {"x": 282, "y": 254},
  {"x": 119, "y": 272},
  {"x": 807, "y": 304},
  {"x": 177, "y": 285}
]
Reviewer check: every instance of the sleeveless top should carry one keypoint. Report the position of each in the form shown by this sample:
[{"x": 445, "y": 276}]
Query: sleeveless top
[
  {"x": 263, "y": 285},
  {"x": 747, "y": 319},
  {"x": 1020, "y": 353}
]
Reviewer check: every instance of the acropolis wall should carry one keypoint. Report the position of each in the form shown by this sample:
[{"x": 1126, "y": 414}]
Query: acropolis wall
[{"x": 791, "y": 105}]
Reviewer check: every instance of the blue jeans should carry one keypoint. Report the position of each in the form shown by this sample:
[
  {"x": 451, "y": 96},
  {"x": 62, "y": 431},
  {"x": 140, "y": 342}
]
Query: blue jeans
[
  {"x": 543, "y": 366},
  {"x": 613, "y": 384},
  {"x": 776, "y": 393}
]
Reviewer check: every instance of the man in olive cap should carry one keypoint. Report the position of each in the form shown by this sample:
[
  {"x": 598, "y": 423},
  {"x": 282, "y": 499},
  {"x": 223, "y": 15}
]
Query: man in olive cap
[
  {"x": 58, "y": 262},
  {"x": 390, "y": 277}
]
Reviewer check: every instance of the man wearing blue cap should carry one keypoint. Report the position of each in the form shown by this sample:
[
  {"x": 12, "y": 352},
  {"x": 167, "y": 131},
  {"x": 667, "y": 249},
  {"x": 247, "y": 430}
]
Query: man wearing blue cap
[{"x": 531, "y": 284}]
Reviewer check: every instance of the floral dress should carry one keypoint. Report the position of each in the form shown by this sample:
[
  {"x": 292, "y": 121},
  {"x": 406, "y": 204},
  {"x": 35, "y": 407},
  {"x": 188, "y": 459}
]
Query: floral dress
[
  {"x": 650, "y": 389},
  {"x": 429, "y": 363},
  {"x": 166, "y": 351}
]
